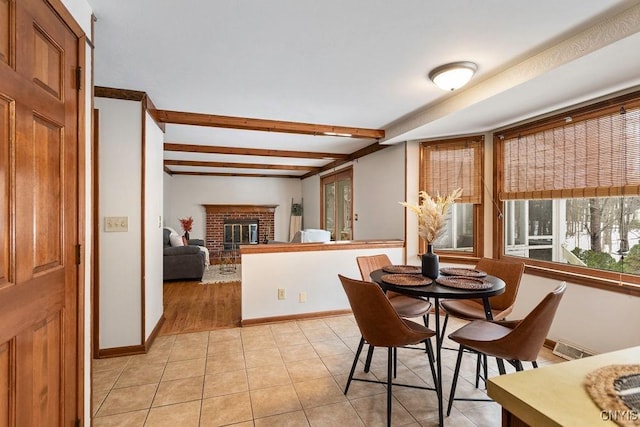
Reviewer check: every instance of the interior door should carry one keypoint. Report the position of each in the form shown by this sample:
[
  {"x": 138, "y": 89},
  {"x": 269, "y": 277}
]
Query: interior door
[
  {"x": 337, "y": 206},
  {"x": 38, "y": 217}
]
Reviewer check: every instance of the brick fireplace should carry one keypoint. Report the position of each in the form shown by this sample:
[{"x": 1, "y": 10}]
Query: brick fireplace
[{"x": 219, "y": 215}]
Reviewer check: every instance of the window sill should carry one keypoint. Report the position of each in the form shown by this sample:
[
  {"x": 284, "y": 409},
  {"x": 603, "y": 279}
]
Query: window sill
[{"x": 589, "y": 280}]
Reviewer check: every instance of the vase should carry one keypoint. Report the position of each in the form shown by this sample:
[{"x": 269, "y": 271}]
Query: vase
[
  {"x": 430, "y": 261},
  {"x": 186, "y": 235}
]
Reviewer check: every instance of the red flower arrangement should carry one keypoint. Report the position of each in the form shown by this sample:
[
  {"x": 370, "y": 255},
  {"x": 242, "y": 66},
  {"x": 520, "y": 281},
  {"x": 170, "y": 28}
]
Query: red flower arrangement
[{"x": 186, "y": 223}]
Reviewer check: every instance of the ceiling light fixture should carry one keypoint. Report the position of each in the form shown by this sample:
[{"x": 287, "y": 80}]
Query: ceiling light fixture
[
  {"x": 453, "y": 76},
  {"x": 337, "y": 134}
]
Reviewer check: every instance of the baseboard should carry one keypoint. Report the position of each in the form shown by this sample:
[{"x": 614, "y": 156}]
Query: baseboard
[
  {"x": 131, "y": 350},
  {"x": 154, "y": 334},
  {"x": 302, "y": 316},
  {"x": 550, "y": 344}
]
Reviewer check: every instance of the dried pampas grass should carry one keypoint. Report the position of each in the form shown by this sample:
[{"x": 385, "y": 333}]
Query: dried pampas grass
[{"x": 432, "y": 213}]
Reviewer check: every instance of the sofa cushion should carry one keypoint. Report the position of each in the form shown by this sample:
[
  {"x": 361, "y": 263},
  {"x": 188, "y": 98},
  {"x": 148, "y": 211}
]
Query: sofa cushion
[
  {"x": 165, "y": 237},
  {"x": 181, "y": 250},
  {"x": 176, "y": 240}
]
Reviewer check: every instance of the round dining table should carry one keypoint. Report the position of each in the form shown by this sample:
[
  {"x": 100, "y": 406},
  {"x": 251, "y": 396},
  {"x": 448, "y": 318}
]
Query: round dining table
[{"x": 436, "y": 292}]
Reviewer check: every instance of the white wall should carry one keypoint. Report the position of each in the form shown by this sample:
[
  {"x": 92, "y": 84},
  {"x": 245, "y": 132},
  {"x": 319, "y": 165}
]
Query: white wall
[
  {"x": 186, "y": 194},
  {"x": 311, "y": 196},
  {"x": 120, "y": 252},
  {"x": 590, "y": 318},
  {"x": 378, "y": 187},
  {"x": 312, "y": 272},
  {"x": 379, "y": 213},
  {"x": 81, "y": 12},
  {"x": 411, "y": 196},
  {"x": 154, "y": 171}
]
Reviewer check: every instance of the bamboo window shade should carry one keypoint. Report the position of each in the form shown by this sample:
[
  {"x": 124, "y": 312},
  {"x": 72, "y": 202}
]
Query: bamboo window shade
[
  {"x": 594, "y": 157},
  {"x": 451, "y": 165}
]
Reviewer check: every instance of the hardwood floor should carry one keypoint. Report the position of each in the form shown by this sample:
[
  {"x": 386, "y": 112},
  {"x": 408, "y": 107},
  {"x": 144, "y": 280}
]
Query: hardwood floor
[{"x": 191, "y": 307}]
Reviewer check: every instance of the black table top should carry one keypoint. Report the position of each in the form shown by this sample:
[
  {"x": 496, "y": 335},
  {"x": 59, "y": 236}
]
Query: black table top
[{"x": 434, "y": 290}]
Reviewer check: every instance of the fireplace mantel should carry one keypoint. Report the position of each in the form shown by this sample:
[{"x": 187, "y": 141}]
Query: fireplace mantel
[{"x": 239, "y": 208}]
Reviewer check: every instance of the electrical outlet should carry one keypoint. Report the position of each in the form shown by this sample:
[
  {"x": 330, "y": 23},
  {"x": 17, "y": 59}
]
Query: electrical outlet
[
  {"x": 116, "y": 223},
  {"x": 281, "y": 294},
  {"x": 303, "y": 297}
]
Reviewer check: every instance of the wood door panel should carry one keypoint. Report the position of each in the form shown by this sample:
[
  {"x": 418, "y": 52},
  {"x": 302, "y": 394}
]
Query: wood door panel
[
  {"x": 47, "y": 203},
  {"x": 46, "y": 351},
  {"x": 47, "y": 63},
  {"x": 24, "y": 304},
  {"x": 7, "y": 31},
  {"x": 6, "y": 137},
  {"x": 39, "y": 207},
  {"x": 6, "y": 378}
]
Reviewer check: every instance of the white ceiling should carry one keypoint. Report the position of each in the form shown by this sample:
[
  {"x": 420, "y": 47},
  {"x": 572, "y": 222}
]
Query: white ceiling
[{"x": 360, "y": 63}]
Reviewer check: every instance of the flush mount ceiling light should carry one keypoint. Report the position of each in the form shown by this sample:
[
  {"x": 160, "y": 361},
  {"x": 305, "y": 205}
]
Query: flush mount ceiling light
[{"x": 453, "y": 76}]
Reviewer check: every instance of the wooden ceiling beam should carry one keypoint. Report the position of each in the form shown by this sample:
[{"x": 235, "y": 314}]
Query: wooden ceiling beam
[
  {"x": 199, "y": 119},
  {"x": 353, "y": 156},
  {"x": 192, "y": 163},
  {"x": 252, "y": 175},
  {"x": 190, "y": 148}
]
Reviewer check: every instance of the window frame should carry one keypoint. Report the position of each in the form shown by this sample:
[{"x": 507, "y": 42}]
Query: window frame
[
  {"x": 470, "y": 257},
  {"x": 601, "y": 279}
]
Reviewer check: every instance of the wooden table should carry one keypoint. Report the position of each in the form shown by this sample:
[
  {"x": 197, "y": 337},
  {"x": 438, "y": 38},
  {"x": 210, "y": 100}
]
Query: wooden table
[
  {"x": 554, "y": 395},
  {"x": 437, "y": 292}
]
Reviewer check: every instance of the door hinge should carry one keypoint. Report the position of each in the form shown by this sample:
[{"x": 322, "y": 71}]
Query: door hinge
[
  {"x": 78, "y": 254},
  {"x": 79, "y": 77}
]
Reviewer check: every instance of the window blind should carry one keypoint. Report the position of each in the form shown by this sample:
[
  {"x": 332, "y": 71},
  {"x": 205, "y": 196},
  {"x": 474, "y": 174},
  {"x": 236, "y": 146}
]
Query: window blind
[
  {"x": 448, "y": 165},
  {"x": 595, "y": 157}
]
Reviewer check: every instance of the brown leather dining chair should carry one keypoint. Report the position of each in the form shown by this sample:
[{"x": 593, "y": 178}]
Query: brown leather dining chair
[
  {"x": 501, "y": 305},
  {"x": 515, "y": 341},
  {"x": 381, "y": 326},
  {"x": 406, "y": 306}
]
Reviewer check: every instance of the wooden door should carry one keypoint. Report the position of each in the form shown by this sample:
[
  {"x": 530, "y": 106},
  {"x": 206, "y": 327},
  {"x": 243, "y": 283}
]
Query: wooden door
[{"x": 38, "y": 217}]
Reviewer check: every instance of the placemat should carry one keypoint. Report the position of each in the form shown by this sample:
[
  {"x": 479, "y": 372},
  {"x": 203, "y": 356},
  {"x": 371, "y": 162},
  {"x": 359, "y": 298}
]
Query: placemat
[
  {"x": 406, "y": 279},
  {"x": 407, "y": 269},
  {"x": 463, "y": 282},
  {"x": 616, "y": 389},
  {"x": 467, "y": 272}
]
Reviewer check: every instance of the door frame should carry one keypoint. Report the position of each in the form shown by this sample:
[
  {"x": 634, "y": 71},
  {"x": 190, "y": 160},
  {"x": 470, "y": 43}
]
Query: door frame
[
  {"x": 346, "y": 172},
  {"x": 59, "y": 8}
]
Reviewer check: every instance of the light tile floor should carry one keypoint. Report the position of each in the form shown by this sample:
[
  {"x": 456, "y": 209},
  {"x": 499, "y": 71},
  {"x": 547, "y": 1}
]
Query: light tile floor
[{"x": 285, "y": 374}]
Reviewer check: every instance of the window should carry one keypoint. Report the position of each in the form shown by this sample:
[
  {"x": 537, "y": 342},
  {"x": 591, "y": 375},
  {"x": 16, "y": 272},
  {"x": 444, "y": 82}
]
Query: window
[
  {"x": 569, "y": 189},
  {"x": 445, "y": 166},
  {"x": 335, "y": 194}
]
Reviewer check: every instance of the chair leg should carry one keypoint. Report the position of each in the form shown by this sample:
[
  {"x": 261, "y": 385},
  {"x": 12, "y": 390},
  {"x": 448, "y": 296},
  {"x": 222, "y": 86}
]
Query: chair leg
[
  {"x": 478, "y": 363},
  {"x": 481, "y": 361},
  {"x": 501, "y": 366},
  {"x": 432, "y": 361},
  {"x": 389, "y": 366},
  {"x": 353, "y": 367},
  {"x": 395, "y": 362},
  {"x": 444, "y": 327},
  {"x": 518, "y": 365},
  {"x": 534, "y": 364},
  {"x": 486, "y": 369},
  {"x": 425, "y": 319},
  {"x": 367, "y": 363},
  {"x": 455, "y": 379}
]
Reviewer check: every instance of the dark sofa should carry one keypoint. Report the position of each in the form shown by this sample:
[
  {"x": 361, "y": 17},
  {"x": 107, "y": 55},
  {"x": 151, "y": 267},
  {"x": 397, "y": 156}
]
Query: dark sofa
[{"x": 182, "y": 262}]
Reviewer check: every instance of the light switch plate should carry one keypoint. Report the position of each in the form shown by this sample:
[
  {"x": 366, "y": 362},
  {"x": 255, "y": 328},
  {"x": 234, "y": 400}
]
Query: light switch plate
[{"x": 116, "y": 223}]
